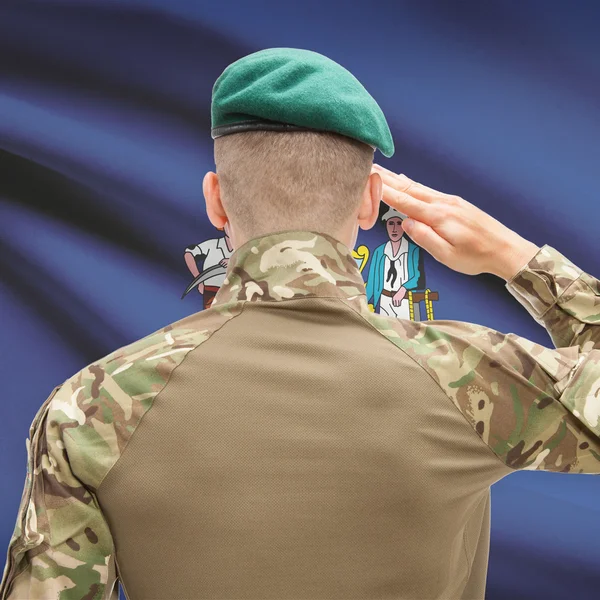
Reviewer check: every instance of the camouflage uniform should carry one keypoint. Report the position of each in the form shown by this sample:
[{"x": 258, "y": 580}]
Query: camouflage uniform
[{"x": 303, "y": 469}]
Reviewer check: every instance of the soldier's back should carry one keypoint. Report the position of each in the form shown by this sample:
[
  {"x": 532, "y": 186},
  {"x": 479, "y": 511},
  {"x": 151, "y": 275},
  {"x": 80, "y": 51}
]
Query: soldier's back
[{"x": 297, "y": 452}]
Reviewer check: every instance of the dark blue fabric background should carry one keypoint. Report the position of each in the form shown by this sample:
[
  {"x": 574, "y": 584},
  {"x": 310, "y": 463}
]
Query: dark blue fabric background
[{"x": 105, "y": 138}]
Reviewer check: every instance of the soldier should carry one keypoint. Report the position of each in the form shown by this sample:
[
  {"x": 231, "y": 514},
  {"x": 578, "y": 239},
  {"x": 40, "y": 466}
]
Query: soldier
[{"x": 288, "y": 442}]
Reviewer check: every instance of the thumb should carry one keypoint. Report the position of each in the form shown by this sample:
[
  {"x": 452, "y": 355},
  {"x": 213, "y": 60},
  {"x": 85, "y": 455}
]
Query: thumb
[{"x": 424, "y": 236}]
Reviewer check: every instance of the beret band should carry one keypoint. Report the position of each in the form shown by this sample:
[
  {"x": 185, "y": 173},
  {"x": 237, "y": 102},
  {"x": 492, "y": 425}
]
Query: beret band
[{"x": 255, "y": 125}]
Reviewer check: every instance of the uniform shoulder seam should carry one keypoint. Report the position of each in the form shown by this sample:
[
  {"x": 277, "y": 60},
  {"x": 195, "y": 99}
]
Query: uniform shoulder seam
[
  {"x": 437, "y": 384},
  {"x": 169, "y": 378}
]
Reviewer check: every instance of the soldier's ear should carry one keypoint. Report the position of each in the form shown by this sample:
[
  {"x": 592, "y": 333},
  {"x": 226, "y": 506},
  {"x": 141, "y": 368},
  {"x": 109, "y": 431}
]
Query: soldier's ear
[
  {"x": 369, "y": 207},
  {"x": 376, "y": 190},
  {"x": 212, "y": 196}
]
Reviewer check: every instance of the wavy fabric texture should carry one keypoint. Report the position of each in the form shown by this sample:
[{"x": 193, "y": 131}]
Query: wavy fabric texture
[{"x": 105, "y": 139}]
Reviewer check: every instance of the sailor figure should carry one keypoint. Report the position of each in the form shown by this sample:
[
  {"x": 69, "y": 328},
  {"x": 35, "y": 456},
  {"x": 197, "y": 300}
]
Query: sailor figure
[
  {"x": 215, "y": 251},
  {"x": 394, "y": 269}
]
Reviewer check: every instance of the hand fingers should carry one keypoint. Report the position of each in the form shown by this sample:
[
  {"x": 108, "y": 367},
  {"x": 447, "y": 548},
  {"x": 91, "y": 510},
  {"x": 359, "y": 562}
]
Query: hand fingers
[
  {"x": 402, "y": 183},
  {"x": 406, "y": 204},
  {"x": 403, "y": 180},
  {"x": 424, "y": 236}
]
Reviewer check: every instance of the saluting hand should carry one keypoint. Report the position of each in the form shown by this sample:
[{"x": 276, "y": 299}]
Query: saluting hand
[{"x": 454, "y": 231}]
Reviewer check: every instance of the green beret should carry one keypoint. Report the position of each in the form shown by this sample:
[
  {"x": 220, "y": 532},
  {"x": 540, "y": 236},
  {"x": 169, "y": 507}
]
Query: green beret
[{"x": 287, "y": 89}]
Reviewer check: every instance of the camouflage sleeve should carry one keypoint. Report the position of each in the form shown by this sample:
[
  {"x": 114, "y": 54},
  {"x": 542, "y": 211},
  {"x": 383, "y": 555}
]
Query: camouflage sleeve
[
  {"x": 561, "y": 297},
  {"x": 61, "y": 547},
  {"x": 536, "y": 408}
]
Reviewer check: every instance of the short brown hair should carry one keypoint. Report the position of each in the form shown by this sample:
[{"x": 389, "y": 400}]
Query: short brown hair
[{"x": 276, "y": 181}]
